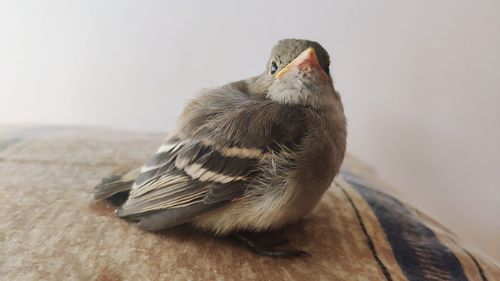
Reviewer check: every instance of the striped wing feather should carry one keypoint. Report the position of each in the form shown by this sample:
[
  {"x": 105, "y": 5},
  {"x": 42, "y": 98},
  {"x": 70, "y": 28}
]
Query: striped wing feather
[{"x": 184, "y": 179}]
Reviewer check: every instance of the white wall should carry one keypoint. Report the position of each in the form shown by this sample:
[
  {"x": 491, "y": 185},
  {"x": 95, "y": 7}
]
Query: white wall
[{"x": 420, "y": 79}]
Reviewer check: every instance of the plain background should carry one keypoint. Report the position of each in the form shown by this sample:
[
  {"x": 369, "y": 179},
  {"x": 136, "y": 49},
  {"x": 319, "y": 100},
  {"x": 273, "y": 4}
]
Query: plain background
[{"x": 420, "y": 80}]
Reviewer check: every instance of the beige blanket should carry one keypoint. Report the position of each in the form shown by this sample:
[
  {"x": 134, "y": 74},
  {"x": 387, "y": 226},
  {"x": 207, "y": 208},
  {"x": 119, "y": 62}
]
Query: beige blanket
[{"x": 51, "y": 230}]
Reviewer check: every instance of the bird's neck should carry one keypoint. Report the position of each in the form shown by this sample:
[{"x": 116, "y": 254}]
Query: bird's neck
[{"x": 253, "y": 86}]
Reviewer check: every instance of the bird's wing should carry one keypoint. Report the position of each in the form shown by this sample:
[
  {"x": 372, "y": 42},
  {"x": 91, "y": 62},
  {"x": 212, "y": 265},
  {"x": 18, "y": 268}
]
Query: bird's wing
[
  {"x": 203, "y": 166},
  {"x": 185, "y": 172}
]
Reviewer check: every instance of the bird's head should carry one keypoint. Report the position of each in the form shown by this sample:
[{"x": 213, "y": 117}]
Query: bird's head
[{"x": 298, "y": 72}]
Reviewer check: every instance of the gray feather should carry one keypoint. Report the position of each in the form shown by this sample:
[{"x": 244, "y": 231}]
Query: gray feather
[
  {"x": 114, "y": 185},
  {"x": 171, "y": 217}
]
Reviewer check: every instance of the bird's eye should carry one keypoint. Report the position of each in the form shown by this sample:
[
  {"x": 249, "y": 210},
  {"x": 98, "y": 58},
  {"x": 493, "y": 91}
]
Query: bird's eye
[{"x": 274, "y": 68}]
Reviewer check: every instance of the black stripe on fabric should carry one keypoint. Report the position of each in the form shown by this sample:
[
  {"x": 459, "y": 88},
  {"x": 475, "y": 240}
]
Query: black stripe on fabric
[
  {"x": 416, "y": 248},
  {"x": 478, "y": 266},
  {"x": 369, "y": 240}
]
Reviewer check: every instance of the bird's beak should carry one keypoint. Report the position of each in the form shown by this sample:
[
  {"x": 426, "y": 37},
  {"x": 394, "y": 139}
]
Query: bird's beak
[{"x": 304, "y": 62}]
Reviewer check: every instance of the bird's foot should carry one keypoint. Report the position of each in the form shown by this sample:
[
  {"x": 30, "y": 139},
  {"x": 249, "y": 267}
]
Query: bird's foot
[{"x": 268, "y": 248}]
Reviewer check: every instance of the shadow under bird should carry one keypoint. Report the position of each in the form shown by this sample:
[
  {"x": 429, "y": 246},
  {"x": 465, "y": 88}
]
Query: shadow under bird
[{"x": 249, "y": 156}]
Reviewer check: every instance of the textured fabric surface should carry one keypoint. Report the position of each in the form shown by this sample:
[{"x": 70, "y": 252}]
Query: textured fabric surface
[{"x": 51, "y": 230}]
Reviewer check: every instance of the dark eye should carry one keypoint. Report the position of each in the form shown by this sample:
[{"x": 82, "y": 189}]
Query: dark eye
[{"x": 274, "y": 68}]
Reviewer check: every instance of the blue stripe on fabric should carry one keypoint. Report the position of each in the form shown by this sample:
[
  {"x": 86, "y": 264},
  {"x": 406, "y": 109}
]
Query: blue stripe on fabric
[{"x": 415, "y": 246}]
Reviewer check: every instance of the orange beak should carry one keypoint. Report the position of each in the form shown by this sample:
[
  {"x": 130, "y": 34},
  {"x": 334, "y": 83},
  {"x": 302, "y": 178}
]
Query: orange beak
[{"x": 304, "y": 62}]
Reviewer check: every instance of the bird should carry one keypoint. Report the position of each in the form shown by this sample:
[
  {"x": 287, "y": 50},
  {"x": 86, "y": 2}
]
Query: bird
[{"x": 252, "y": 155}]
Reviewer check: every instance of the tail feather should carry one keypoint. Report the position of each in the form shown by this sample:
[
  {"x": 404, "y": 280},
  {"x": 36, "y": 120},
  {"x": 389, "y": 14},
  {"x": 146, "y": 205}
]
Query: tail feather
[{"x": 114, "y": 185}]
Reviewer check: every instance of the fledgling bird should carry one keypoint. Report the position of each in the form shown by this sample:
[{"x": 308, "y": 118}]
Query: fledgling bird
[{"x": 252, "y": 155}]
